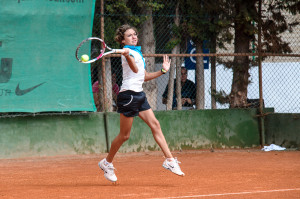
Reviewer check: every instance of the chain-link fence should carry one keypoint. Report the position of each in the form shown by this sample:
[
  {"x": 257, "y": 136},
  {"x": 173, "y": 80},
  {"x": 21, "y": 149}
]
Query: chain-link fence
[
  {"x": 224, "y": 72},
  {"x": 244, "y": 54}
]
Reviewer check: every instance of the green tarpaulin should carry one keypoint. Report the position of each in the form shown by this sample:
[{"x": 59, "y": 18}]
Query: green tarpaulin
[{"x": 38, "y": 71}]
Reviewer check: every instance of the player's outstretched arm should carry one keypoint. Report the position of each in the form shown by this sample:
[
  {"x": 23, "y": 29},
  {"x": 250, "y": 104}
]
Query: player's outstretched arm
[{"x": 165, "y": 68}]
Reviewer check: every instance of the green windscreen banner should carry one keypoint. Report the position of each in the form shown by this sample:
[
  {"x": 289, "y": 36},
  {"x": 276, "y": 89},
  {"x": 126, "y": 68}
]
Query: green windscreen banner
[{"x": 39, "y": 71}]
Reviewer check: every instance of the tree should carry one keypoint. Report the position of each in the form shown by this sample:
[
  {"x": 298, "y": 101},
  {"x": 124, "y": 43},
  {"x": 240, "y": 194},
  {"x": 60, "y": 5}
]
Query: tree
[
  {"x": 139, "y": 14},
  {"x": 244, "y": 33},
  {"x": 242, "y": 15},
  {"x": 174, "y": 44},
  {"x": 202, "y": 22},
  {"x": 147, "y": 41},
  {"x": 131, "y": 14}
]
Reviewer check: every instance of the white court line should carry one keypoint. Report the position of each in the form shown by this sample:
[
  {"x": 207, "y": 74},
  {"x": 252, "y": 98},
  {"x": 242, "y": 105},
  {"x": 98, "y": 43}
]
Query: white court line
[{"x": 226, "y": 194}]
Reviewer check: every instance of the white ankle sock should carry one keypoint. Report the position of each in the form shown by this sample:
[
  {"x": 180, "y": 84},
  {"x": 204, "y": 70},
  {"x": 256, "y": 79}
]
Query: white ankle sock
[{"x": 106, "y": 163}]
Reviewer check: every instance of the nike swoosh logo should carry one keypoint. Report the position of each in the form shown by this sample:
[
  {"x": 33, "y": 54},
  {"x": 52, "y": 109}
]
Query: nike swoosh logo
[
  {"x": 170, "y": 166},
  {"x": 20, "y": 92}
]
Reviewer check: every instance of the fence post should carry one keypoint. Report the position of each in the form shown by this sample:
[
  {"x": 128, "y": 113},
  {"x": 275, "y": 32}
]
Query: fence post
[
  {"x": 104, "y": 80},
  {"x": 261, "y": 108}
]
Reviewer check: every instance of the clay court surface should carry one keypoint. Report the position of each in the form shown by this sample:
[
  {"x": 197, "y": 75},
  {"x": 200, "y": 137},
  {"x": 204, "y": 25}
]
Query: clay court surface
[{"x": 219, "y": 174}]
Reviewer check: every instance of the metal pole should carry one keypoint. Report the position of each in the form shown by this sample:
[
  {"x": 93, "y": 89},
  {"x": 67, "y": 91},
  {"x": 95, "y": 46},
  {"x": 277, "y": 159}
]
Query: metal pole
[
  {"x": 261, "y": 108},
  {"x": 103, "y": 79},
  {"x": 103, "y": 60}
]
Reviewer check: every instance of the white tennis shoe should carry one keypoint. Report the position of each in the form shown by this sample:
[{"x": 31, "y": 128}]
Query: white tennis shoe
[
  {"x": 108, "y": 169},
  {"x": 173, "y": 166}
]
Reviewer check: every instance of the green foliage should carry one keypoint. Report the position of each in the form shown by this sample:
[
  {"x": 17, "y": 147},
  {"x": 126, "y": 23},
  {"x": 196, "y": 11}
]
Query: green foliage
[
  {"x": 205, "y": 20},
  {"x": 172, "y": 43},
  {"x": 276, "y": 23},
  {"x": 176, "y": 37},
  {"x": 118, "y": 12},
  {"x": 154, "y": 5},
  {"x": 220, "y": 96},
  {"x": 219, "y": 22}
]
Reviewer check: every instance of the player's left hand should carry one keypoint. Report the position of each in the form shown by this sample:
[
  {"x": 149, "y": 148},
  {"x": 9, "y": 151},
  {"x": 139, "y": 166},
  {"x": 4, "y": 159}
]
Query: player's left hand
[{"x": 167, "y": 63}]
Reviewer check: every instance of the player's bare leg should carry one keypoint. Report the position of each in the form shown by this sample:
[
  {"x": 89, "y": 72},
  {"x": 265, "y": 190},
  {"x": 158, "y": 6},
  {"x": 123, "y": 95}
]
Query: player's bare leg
[
  {"x": 125, "y": 128},
  {"x": 170, "y": 163},
  {"x": 106, "y": 164}
]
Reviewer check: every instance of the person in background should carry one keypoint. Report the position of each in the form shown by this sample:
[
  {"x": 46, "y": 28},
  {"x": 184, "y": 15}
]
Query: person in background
[
  {"x": 115, "y": 91},
  {"x": 95, "y": 89},
  {"x": 188, "y": 92}
]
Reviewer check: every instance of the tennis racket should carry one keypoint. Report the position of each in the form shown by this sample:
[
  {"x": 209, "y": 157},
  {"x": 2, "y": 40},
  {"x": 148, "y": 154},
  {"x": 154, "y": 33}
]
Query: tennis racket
[{"x": 95, "y": 48}]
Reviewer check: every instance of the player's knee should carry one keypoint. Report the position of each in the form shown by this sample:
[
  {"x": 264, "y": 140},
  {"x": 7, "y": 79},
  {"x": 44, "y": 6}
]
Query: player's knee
[
  {"x": 155, "y": 124},
  {"x": 125, "y": 138}
]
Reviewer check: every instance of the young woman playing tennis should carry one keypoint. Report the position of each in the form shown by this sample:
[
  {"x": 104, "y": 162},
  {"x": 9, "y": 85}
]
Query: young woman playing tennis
[{"x": 132, "y": 101}]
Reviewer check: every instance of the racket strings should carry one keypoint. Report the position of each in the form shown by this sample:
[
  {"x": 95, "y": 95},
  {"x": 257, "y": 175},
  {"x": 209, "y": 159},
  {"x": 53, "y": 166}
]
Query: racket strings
[{"x": 93, "y": 48}]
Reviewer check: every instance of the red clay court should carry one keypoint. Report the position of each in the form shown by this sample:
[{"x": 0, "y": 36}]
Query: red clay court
[{"x": 220, "y": 174}]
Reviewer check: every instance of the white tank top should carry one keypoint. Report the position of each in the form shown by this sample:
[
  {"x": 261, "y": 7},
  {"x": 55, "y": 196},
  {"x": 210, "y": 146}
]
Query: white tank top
[{"x": 133, "y": 81}]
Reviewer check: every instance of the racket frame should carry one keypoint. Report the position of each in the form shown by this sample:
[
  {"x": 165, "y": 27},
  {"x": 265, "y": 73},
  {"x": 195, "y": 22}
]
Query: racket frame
[{"x": 102, "y": 54}]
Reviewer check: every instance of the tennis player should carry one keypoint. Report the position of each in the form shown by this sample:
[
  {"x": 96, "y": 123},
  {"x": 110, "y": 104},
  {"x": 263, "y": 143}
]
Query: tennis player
[{"x": 132, "y": 101}]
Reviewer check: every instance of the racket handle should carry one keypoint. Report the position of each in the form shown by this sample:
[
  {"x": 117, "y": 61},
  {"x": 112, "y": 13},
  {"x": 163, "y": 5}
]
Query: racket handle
[{"x": 119, "y": 51}]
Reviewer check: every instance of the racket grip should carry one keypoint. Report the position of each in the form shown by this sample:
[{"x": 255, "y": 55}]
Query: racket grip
[{"x": 120, "y": 51}]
